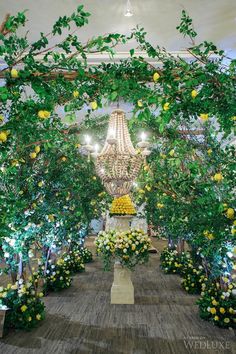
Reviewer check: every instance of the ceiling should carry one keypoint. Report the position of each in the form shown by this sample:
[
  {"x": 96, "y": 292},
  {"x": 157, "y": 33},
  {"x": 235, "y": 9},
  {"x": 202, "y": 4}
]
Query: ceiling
[{"x": 214, "y": 20}]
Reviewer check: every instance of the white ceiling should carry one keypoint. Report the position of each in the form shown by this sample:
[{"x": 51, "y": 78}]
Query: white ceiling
[{"x": 214, "y": 20}]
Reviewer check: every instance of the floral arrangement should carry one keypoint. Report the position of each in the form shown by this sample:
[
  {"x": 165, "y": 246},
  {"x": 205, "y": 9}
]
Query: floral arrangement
[
  {"x": 193, "y": 279},
  {"x": 85, "y": 254},
  {"x": 122, "y": 206},
  {"x": 129, "y": 248},
  {"x": 57, "y": 276},
  {"x": 26, "y": 310},
  {"x": 218, "y": 304},
  {"x": 73, "y": 261},
  {"x": 174, "y": 262}
]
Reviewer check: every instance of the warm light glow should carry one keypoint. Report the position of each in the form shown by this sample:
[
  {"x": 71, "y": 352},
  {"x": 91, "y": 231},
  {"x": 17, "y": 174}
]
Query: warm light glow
[
  {"x": 87, "y": 139},
  {"x": 128, "y": 11},
  {"x": 111, "y": 133},
  {"x": 96, "y": 148},
  {"x": 143, "y": 136}
]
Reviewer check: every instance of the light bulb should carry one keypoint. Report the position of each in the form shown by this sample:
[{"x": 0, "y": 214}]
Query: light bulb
[
  {"x": 96, "y": 148},
  {"x": 111, "y": 133},
  {"x": 128, "y": 10},
  {"x": 143, "y": 136},
  {"x": 87, "y": 139}
]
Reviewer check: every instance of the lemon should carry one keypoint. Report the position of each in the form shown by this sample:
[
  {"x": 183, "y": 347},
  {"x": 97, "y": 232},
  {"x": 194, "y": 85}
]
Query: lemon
[
  {"x": 204, "y": 117},
  {"x": 14, "y": 73},
  {"x": 166, "y": 106},
  {"x": 194, "y": 93},
  {"x": 76, "y": 94},
  {"x": 156, "y": 77},
  {"x": 33, "y": 155},
  {"x": 218, "y": 177},
  {"x": 230, "y": 213},
  {"x": 94, "y": 105},
  {"x": 3, "y": 136},
  {"x": 37, "y": 149}
]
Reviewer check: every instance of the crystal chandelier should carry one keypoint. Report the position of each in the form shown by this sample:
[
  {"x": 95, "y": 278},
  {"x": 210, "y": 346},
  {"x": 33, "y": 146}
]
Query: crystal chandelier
[{"x": 118, "y": 163}]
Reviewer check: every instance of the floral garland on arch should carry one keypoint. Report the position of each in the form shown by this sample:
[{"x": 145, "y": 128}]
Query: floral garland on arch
[{"x": 129, "y": 248}]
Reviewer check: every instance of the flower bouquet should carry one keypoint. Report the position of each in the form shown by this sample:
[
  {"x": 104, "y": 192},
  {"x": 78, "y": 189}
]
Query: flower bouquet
[{"x": 129, "y": 248}]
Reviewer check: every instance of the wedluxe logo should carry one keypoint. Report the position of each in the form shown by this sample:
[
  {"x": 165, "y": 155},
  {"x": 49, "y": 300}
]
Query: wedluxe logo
[{"x": 202, "y": 343}]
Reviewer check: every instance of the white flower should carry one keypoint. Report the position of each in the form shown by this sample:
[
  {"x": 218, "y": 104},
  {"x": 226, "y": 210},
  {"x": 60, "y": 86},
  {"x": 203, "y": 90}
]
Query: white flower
[
  {"x": 125, "y": 250},
  {"x": 107, "y": 247},
  {"x": 20, "y": 281},
  {"x": 6, "y": 254}
]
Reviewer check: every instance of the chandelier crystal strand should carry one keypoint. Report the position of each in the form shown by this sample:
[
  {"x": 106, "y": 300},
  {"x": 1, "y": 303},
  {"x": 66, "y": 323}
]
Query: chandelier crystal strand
[{"x": 118, "y": 163}]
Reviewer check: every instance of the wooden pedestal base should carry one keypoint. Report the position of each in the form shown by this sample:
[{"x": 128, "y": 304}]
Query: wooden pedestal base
[{"x": 2, "y": 320}]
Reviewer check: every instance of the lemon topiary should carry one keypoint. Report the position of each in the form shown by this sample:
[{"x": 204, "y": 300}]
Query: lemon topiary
[{"x": 122, "y": 206}]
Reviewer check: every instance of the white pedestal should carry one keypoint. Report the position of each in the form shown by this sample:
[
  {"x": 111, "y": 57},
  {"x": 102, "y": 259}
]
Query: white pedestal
[{"x": 122, "y": 290}]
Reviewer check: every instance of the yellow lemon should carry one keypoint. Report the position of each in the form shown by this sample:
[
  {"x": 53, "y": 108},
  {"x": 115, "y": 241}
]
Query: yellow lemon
[
  {"x": 40, "y": 184},
  {"x": 76, "y": 94},
  {"x": 37, "y": 149},
  {"x": 140, "y": 103},
  {"x": 218, "y": 177},
  {"x": 94, "y": 105},
  {"x": 166, "y": 106},
  {"x": 156, "y": 77},
  {"x": 230, "y": 213},
  {"x": 204, "y": 117},
  {"x": 3, "y": 136},
  {"x": 33, "y": 155},
  {"x": 209, "y": 151},
  {"x": 14, "y": 73},
  {"x": 46, "y": 114},
  {"x": 194, "y": 93}
]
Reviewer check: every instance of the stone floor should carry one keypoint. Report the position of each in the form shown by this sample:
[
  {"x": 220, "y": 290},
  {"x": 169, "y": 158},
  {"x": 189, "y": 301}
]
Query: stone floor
[{"x": 80, "y": 320}]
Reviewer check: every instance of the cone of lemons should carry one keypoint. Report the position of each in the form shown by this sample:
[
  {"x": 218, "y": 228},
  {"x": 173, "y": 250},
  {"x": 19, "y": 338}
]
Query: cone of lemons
[{"x": 122, "y": 206}]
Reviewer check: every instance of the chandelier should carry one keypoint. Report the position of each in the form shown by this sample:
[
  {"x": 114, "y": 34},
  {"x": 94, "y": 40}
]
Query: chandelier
[{"x": 118, "y": 163}]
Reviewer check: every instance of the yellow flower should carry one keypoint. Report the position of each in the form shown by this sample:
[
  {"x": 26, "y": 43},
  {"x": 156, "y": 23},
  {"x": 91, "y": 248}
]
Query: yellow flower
[
  {"x": 166, "y": 106},
  {"x": 172, "y": 152},
  {"x": 94, "y": 105},
  {"x": 94, "y": 178},
  {"x": 204, "y": 117},
  {"x": 40, "y": 184},
  {"x": 63, "y": 158},
  {"x": 29, "y": 318},
  {"x": 214, "y": 302},
  {"x": 37, "y": 149},
  {"x": 3, "y": 137},
  {"x": 216, "y": 318},
  {"x": 209, "y": 151},
  {"x": 23, "y": 308},
  {"x": 156, "y": 77},
  {"x": 194, "y": 93},
  {"x": 222, "y": 310},
  {"x": 218, "y": 177},
  {"x": 230, "y": 213},
  {"x": 233, "y": 118},
  {"x": 33, "y": 155},
  {"x": 212, "y": 310},
  {"x": 226, "y": 320},
  {"x": 76, "y": 94},
  {"x": 14, "y": 73},
  {"x": 38, "y": 317},
  {"x": 148, "y": 188}
]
